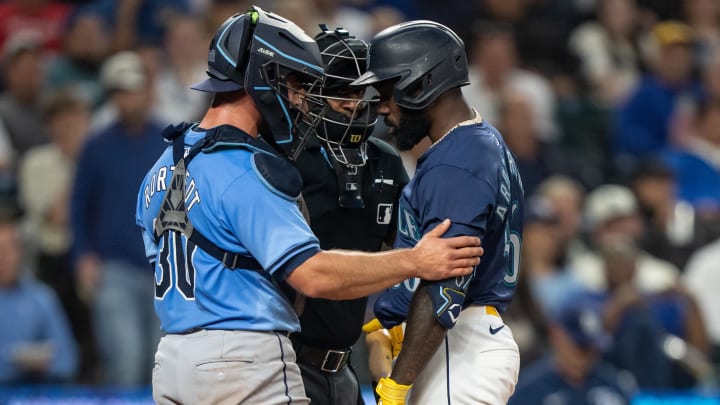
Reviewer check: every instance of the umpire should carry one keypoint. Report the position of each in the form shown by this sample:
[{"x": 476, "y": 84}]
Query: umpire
[{"x": 352, "y": 184}]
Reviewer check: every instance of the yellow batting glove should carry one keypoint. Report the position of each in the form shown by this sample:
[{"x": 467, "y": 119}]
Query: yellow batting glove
[
  {"x": 372, "y": 326},
  {"x": 390, "y": 392},
  {"x": 397, "y": 335}
]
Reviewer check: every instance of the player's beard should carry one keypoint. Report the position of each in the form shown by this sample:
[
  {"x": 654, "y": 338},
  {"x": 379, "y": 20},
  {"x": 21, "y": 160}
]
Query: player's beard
[{"x": 412, "y": 128}]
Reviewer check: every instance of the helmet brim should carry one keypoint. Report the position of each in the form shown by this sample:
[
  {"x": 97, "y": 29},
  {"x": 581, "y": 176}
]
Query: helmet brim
[
  {"x": 213, "y": 85},
  {"x": 367, "y": 78}
]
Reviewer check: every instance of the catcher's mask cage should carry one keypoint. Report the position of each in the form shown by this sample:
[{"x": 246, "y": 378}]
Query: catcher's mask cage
[{"x": 344, "y": 133}]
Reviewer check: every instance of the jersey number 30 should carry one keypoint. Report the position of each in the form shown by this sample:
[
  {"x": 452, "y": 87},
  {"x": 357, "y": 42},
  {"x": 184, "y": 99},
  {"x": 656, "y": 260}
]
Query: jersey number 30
[{"x": 175, "y": 266}]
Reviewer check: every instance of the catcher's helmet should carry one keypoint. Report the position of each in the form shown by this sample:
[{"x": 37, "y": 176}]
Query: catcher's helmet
[
  {"x": 256, "y": 51},
  {"x": 426, "y": 59},
  {"x": 345, "y": 135}
]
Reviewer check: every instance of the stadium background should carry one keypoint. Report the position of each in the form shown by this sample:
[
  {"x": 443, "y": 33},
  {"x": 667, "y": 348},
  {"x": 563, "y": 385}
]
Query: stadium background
[{"x": 588, "y": 93}]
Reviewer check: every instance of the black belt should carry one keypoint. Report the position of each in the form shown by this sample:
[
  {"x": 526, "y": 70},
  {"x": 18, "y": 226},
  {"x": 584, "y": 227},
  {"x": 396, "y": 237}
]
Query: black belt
[{"x": 328, "y": 360}]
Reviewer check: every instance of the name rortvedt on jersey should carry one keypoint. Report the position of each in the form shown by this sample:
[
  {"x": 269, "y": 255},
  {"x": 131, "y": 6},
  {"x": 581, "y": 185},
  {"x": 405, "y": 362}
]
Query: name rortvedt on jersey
[{"x": 158, "y": 183}]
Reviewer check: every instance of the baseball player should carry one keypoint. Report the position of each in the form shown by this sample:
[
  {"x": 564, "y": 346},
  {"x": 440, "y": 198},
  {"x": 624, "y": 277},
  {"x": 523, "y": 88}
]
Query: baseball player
[
  {"x": 456, "y": 348},
  {"x": 351, "y": 185},
  {"x": 224, "y": 235}
]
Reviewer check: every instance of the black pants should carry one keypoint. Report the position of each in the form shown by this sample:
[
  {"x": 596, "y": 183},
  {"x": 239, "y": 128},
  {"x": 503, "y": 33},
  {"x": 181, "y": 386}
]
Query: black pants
[{"x": 323, "y": 388}]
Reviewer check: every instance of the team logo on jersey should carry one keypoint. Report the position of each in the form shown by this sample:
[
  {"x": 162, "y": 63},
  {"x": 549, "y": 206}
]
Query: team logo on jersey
[
  {"x": 384, "y": 213},
  {"x": 407, "y": 225}
]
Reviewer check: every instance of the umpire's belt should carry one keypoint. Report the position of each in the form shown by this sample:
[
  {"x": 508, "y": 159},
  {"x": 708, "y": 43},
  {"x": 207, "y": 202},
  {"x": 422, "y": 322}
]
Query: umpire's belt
[{"x": 329, "y": 360}]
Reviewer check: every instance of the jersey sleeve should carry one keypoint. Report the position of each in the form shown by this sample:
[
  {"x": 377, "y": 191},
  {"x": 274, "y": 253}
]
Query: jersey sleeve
[
  {"x": 391, "y": 307},
  {"x": 151, "y": 247},
  {"x": 271, "y": 227},
  {"x": 468, "y": 200},
  {"x": 451, "y": 192}
]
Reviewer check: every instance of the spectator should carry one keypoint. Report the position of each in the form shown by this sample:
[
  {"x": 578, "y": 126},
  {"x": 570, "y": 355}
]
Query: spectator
[
  {"x": 20, "y": 119},
  {"x": 549, "y": 281},
  {"x": 37, "y": 344},
  {"x": 85, "y": 44},
  {"x": 611, "y": 211},
  {"x": 494, "y": 68},
  {"x": 697, "y": 166},
  {"x": 644, "y": 121},
  {"x": 673, "y": 229},
  {"x": 110, "y": 264},
  {"x": 44, "y": 17},
  {"x": 607, "y": 51},
  {"x": 643, "y": 321},
  {"x": 45, "y": 178},
  {"x": 536, "y": 159},
  {"x": 574, "y": 372},
  {"x": 137, "y": 22},
  {"x": 702, "y": 278},
  {"x": 702, "y": 16},
  {"x": 184, "y": 62},
  {"x": 566, "y": 196}
]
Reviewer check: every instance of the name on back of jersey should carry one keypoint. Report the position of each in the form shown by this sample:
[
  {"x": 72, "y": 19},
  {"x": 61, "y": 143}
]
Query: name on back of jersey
[{"x": 158, "y": 183}]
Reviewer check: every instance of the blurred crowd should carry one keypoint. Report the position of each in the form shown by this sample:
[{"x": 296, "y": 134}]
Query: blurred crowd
[{"x": 612, "y": 108}]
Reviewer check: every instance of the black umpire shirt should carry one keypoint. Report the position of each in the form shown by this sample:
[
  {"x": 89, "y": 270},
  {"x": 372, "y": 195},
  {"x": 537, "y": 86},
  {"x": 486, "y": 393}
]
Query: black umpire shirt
[{"x": 328, "y": 324}]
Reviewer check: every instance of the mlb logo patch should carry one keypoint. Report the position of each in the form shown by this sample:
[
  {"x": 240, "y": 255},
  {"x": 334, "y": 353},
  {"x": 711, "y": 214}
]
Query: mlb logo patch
[{"x": 384, "y": 213}]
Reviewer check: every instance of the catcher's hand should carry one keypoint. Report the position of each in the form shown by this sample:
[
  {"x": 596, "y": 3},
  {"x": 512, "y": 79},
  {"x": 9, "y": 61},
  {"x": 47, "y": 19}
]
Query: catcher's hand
[{"x": 390, "y": 392}]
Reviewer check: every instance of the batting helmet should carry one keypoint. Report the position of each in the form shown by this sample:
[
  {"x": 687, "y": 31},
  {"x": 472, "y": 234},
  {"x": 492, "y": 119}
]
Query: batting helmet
[
  {"x": 426, "y": 59},
  {"x": 256, "y": 51},
  {"x": 344, "y": 134}
]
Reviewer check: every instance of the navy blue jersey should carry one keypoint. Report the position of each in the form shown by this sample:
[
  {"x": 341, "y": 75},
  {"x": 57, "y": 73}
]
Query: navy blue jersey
[
  {"x": 541, "y": 384},
  {"x": 469, "y": 176},
  {"x": 231, "y": 205}
]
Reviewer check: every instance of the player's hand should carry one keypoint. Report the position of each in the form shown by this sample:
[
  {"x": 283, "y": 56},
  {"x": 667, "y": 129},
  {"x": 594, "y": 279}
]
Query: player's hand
[
  {"x": 372, "y": 326},
  {"x": 441, "y": 258},
  {"x": 390, "y": 392}
]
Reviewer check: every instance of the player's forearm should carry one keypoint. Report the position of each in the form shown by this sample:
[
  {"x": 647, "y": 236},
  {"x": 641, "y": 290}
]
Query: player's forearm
[
  {"x": 340, "y": 274},
  {"x": 423, "y": 336},
  {"x": 379, "y": 348}
]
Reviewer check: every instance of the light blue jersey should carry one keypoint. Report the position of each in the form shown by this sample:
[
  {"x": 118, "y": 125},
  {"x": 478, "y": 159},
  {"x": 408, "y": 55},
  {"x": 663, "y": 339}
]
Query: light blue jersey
[{"x": 230, "y": 204}]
